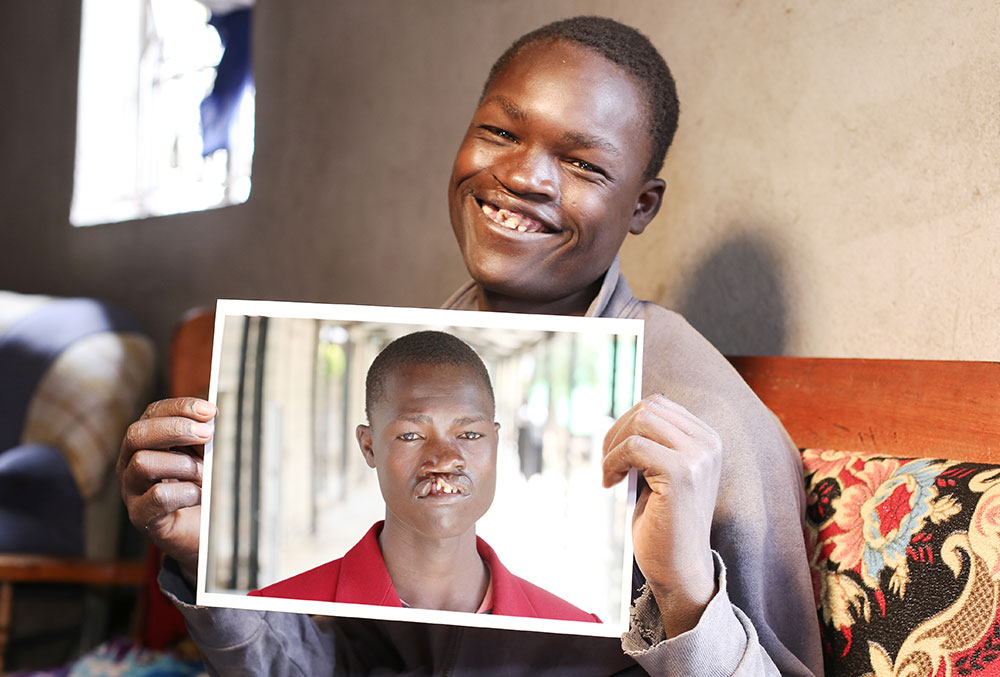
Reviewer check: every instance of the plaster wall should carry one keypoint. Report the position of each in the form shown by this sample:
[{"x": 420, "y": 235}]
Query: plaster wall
[{"x": 833, "y": 189}]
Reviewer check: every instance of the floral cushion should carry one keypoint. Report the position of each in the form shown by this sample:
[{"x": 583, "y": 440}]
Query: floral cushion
[{"x": 905, "y": 557}]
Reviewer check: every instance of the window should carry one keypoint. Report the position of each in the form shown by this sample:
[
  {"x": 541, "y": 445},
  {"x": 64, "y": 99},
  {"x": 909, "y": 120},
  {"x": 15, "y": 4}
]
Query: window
[{"x": 156, "y": 133}]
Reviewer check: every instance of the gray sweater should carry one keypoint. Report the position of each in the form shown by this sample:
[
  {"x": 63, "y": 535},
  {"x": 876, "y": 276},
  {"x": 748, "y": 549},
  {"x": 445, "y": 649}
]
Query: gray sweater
[{"x": 762, "y": 615}]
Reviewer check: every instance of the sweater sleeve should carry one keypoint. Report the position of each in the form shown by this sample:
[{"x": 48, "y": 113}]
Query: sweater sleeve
[
  {"x": 759, "y": 512},
  {"x": 245, "y": 642},
  {"x": 723, "y": 642}
]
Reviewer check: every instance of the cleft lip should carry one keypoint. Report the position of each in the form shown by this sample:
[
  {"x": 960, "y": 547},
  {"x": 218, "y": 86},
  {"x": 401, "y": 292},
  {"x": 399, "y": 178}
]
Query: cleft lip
[
  {"x": 511, "y": 205},
  {"x": 442, "y": 484}
]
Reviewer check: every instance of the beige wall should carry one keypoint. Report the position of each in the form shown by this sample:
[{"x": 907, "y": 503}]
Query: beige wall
[{"x": 833, "y": 188}]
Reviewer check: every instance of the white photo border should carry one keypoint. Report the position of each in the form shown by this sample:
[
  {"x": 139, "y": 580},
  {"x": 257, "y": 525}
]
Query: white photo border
[{"x": 421, "y": 317}]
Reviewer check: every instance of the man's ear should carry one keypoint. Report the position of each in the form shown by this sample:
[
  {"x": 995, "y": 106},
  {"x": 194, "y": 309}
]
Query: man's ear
[
  {"x": 364, "y": 435},
  {"x": 647, "y": 204}
]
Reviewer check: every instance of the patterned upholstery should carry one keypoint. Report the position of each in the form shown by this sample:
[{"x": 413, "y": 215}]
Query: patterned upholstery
[
  {"x": 906, "y": 563},
  {"x": 87, "y": 398}
]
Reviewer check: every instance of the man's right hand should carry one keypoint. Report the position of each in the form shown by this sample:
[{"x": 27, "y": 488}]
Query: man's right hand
[{"x": 160, "y": 470}]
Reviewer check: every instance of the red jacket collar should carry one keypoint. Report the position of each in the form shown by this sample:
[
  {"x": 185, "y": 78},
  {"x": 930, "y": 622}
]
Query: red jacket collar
[{"x": 363, "y": 576}]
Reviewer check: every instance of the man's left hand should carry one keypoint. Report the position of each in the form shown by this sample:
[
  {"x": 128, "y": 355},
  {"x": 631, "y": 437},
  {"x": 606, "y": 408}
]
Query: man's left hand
[{"x": 680, "y": 458}]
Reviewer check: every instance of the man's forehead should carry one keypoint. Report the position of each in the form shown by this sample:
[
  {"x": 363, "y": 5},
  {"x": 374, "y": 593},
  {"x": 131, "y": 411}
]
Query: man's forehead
[
  {"x": 584, "y": 70},
  {"x": 565, "y": 56},
  {"x": 416, "y": 387},
  {"x": 408, "y": 373},
  {"x": 451, "y": 412}
]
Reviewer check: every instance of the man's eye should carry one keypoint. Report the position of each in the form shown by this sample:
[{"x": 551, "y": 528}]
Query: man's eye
[
  {"x": 586, "y": 166},
  {"x": 408, "y": 437},
  {"x": 497, "y": 131},
  {"x": 469, "y": 435}
]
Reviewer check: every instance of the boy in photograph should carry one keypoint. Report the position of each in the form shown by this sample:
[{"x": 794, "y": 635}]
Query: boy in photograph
[
  {"x": 559, "y": 165},
  {"x": 432, "y": 440}
]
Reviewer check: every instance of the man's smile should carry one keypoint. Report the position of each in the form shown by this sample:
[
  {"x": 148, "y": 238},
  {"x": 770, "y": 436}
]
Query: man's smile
[{"x": 518, "y": 220}]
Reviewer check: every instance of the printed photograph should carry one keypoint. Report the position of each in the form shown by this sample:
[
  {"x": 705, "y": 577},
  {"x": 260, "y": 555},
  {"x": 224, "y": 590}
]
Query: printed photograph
[{"x": 423, "y": 465}]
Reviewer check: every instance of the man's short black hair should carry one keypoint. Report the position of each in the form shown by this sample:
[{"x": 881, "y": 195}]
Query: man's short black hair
[
  {"x": 630, "y": 49},
  {"x": 422, "y": 347}
]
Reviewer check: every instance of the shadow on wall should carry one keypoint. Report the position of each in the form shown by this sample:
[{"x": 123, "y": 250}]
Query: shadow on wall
[{"x": 736, "y": 297}]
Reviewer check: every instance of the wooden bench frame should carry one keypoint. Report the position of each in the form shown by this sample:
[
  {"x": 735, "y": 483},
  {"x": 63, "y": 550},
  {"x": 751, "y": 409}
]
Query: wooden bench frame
[
  {"x": 20, "y": 568},
  {"x": 924, "y": 408}
]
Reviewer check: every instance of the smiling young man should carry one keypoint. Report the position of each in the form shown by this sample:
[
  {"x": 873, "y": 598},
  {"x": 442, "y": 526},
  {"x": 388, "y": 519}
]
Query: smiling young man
[
  {"x": 432, "y": 440},
  {"x": 557, "y": 167},
  {"x": 551, "y": 176}
]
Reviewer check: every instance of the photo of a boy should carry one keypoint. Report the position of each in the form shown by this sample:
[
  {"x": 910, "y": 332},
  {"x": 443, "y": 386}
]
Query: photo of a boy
[{"x": 432, "y": 440}]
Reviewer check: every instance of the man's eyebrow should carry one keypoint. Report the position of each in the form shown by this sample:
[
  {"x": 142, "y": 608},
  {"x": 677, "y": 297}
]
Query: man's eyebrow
[
  {"x": 425, "y": 419},
  {"x": 582, "y": 140},
  {"x": 507, "y": 106},
  {"x": 415, "y": 418},
  {"x": 467, "y": 420}
]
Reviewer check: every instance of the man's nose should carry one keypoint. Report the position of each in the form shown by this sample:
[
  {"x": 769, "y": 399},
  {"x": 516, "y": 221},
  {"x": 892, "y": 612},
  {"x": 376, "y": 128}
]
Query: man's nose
[
  {"x": 442, "y": 457},
  {"x": 529, "y": 173}
]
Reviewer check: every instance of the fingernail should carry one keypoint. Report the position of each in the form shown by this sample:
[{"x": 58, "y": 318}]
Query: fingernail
[
  {"x": 204, "y": 408},
  {"x": 204, "y": 430}
]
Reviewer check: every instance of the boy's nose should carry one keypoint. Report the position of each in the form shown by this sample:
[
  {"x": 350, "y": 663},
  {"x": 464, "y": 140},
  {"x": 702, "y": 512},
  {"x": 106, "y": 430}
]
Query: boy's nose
[
  {"x": 443, "y": 458},
  {"x": 529, "y": 173}
]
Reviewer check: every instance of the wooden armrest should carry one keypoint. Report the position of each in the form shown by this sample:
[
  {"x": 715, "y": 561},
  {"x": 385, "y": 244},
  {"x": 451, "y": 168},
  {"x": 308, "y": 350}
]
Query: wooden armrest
[
  {"x": 935, "y": 408},
  {"x": 15, "y": 568},
  {"x": 190, "y": 366},
  {"x": 44, "y": 569}
]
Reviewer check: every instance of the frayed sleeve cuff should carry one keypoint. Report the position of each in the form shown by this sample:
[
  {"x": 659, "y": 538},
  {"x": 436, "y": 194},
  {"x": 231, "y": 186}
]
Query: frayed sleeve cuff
[
  {"x": 173, "y": 584},
  {"x": 723, "y": 642},
  {"x": 209, "y": 627}
]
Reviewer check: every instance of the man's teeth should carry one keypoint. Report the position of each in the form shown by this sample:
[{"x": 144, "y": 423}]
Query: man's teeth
[
  {"x": 509, "y": 219},
  {"x": 445, "y": 487}
]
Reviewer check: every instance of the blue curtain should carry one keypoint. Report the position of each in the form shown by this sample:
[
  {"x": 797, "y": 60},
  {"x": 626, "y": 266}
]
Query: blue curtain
[{"x": 232, "y": 76}]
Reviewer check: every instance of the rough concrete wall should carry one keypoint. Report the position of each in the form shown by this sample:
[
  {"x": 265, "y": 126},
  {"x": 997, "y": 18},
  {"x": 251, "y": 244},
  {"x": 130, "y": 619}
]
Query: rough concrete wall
[
  {"x": 835, "y": 186},
  {"x": 832, "y": 189}
]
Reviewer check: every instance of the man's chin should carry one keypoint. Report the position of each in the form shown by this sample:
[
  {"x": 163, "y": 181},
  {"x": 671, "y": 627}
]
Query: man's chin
[
  {"x": 516, "y": 285},
  {"x": 444, "y": 524},
  {"x": 448, "y": 532}
]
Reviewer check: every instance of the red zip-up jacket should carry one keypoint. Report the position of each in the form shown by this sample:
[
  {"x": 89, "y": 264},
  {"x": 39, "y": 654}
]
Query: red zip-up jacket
[{"x": 360, "y": 577}]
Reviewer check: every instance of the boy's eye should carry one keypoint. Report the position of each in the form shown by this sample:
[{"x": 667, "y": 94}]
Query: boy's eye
[
  {"x": 587, "y": 167},
  {"x": 497, "y": 131},
  {"x": 470, "y": 435},
  {"x": 408, "y": 437}
]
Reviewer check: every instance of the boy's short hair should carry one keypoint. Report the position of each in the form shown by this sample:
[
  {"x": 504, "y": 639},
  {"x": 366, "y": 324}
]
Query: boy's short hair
[
  {"x": 630, "y": 49},
  {"x": 422, "y": 347}
]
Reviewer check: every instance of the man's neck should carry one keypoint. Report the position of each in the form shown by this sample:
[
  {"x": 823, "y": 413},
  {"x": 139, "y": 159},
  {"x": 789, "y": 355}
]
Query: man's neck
[
  {"x": 446, "y": 574},
  {"x": 576, "y": 303}
]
